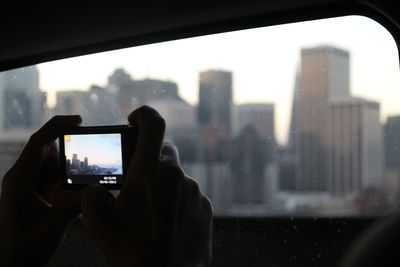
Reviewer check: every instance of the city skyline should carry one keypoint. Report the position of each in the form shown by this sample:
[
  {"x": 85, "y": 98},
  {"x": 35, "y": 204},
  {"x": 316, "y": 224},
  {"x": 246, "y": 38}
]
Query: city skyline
[
  {"x": 76, "y": 166},
  {"x": 333, "y": 164},
  {"x": 99, "y": 148},
  {"x": 230, "y": 150},
  {"x": 264, "y": 72}
]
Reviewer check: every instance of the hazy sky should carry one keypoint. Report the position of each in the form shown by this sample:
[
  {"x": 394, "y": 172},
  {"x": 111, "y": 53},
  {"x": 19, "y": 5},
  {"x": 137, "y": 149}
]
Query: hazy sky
[
  {"x": 98, "y": 148},
  {"x": 263, "y": 62}
]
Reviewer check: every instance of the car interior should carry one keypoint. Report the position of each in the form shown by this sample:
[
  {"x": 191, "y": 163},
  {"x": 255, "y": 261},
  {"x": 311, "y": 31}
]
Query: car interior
[{"x": 37, "y": 33}]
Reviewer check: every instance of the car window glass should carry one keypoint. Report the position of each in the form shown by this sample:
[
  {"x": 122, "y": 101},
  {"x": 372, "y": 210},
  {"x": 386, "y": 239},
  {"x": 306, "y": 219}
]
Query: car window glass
[{"x": 299, "y": 119}]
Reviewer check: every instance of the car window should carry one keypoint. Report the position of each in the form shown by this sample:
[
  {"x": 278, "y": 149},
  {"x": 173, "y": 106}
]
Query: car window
[{"x": 298, "y": 119}]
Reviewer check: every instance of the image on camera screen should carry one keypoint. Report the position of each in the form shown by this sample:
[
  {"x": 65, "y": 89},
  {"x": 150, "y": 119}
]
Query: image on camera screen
[{"x": 93, "y": 158}]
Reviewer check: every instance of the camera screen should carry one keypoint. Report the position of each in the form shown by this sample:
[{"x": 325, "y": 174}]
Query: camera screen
[{"x": 93, "y": 158}]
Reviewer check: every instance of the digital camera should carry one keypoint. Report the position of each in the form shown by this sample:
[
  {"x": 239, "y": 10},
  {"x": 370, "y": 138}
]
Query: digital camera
[{"x": 96, "y": 155}]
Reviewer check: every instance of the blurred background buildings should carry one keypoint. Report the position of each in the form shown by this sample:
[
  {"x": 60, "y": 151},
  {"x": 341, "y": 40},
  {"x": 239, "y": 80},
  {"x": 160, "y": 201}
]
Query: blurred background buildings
[{"x": 339, "y": 159}]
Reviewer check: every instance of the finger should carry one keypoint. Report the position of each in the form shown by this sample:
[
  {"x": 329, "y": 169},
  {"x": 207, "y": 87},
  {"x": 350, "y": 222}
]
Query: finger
[
  {"x": 35, "y": 152},
  {"x": 151, "y": 127},
  {"x": 168, "y": 192},
  {"x": 191, "y": 194},
  {"x": 97, "y": 205},
  {"x": 170, "y": 154},
  {"x": 50, "y": 172},
  {"x": 195, "y": 212},
  {"x": 194, "y": 201}
]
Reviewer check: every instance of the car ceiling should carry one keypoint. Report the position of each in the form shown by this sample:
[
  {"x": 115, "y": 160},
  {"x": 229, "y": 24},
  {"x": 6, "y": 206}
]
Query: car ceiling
[{"x": 39, "y": 32}]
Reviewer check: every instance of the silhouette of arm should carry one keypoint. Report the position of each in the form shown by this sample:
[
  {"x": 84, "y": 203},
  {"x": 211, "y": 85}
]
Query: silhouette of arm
[
  {"x": 35, "y": 213},
  {"x": 160, "y": 218}
]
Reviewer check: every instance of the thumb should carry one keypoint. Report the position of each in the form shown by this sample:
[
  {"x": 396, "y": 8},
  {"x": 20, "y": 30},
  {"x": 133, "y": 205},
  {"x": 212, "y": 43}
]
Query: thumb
[{"x": 97, "y": 205}]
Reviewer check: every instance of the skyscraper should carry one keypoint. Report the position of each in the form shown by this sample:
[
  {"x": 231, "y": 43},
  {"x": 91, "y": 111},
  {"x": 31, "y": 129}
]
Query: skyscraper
[
  {"x": 248, "y": 162},
  {"x": 75, "y": 161},
  {"x": 130, "y": 93},
  {"x": 73, "y": 102},
  {"x": 392, "y": 143},
  {"x": 21, "y": 99},
  {"x": 259, "y": 115},
  {"x": 86, "y": 162},
  {"x": 392, "y": 159},
  {"x": 323, "y": 76},
  {"x": 96, "y": 106},
  {"x": 355, "y": 154},
  {"x": 22, "y": 110},
  {"x": 215, "y": 111}
]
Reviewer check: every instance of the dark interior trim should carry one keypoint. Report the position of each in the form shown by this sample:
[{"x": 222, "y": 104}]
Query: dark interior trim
[{"x": 267, "y": 19}]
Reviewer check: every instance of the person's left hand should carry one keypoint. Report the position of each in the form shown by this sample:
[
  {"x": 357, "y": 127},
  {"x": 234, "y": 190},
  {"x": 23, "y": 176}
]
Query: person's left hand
[{"x": 35, "y": 213}]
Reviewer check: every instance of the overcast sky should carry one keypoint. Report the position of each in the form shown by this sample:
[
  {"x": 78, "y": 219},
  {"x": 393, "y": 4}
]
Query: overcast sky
[{"x": 263, "y": 62}]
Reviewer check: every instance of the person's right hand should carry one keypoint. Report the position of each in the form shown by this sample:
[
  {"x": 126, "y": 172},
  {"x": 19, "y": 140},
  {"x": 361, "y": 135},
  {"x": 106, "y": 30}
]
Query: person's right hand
[{"x": 160, "y": 218}]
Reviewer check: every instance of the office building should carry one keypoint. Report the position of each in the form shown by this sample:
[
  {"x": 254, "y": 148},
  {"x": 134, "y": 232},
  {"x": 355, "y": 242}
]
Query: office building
[
  {"x": 248, "y": 162},
  {"x": 261, "y": 117},
  {"x": 355, "y": 154},
  {"x": 323, "y": 76},
  {"x": 72, "y": 102},
  {"x": 392, "y": 159},
  {"x": 214, "y": 113},
  {"x": 75, "y": 161},
  {"x": 22, "y": 102},
  {"x": 287, "y": 169},
  {"x": 96, "y": 106},
  {"x": 86, "y": 163},
  {"x": 392, "y": 143},
  {"x": 119, "y": 79},
  {"x": 258, "y": 115},
  {"x": 22, "y": 112},
  {"x": 130, "y": 93}
]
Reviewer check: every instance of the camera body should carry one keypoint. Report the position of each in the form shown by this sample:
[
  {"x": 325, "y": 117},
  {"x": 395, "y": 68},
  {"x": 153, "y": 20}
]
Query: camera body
[{"x": 96, "y": 155}]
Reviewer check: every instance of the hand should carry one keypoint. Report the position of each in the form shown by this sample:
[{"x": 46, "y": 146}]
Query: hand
[
  {"x": 160, "y": 218},
  {"x": 35, "y": 213}
]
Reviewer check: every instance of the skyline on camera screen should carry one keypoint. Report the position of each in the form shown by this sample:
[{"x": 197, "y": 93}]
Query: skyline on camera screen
[{"x": 93, "y": 154}]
